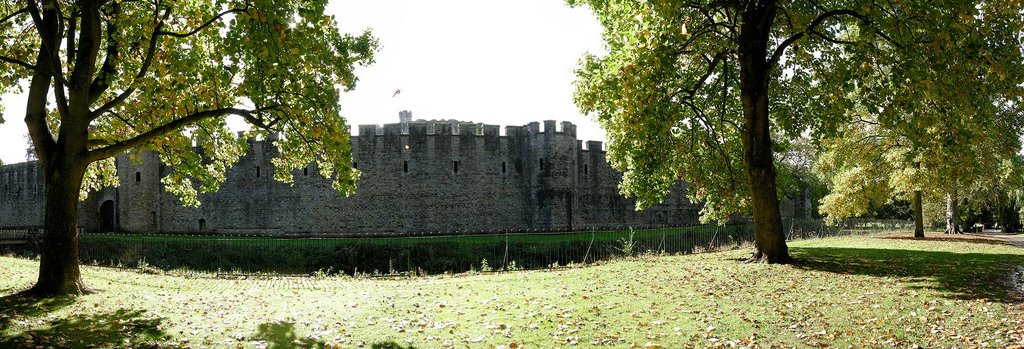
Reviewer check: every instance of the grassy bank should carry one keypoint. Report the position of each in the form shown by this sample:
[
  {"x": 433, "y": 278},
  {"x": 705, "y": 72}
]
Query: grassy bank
[
  {"x": 851, "y": 291},
  {"x": 417, "y": 253}
]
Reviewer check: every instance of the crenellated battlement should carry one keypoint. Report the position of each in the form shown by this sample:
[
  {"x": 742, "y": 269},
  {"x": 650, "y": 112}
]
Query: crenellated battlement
[
  {"x": 19, "y": 173},
  {"x": 593, "y": 146},
  {"x": 451, "y": 127},
  {"x": 416, "y": 175}
]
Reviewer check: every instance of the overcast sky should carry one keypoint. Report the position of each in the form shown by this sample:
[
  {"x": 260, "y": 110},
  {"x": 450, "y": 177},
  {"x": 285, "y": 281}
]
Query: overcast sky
[{"x": 506, "y": 63}]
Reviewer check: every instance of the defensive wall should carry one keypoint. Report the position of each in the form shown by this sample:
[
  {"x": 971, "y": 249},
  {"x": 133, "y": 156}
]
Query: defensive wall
[{"x": 417, "y": 176}]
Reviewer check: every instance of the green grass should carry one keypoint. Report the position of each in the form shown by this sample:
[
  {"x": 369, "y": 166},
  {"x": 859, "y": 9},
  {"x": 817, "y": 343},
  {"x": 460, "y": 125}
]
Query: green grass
[
  {"x": 383, "y": 239},
  {"x": 846, "y": 292},
  {"x": 405, "y": 254}
]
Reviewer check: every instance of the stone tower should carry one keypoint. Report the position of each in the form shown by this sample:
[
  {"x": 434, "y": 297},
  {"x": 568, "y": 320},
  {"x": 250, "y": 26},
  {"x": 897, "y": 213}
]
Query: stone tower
[
  {"x": 404, "y": 118},
  {"x": 550, "y": 160}
]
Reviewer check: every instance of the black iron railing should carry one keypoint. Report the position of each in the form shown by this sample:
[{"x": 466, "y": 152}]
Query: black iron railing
[{"x": 425, "y": 253}]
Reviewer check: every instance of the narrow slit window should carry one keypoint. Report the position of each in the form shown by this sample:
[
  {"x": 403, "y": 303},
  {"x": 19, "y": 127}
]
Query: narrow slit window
[
  {"x": 138, "y": 176},
  {"x": 405, "y": 166},
  {"x": 542, "y": 164},
  {"x": 455, "y": 166},
  {"x": 355, "y": 165},
  {"x": 585, "y": 169},
  {"x": 305, "y": 171},
  {"x": 257, "y": 171},
  {"x": 502, "y": 167}
]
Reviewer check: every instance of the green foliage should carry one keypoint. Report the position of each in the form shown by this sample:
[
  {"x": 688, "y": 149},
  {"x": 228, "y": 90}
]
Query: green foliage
[
  {"x": 512, "y": 266},
  {"x": 165, "y": 76},
  {"x": 657, "y": 132},
  {"x": 939, "y": 113},
  {"x": 911, "y": 80},
  {"x": 627, "y": 245}
]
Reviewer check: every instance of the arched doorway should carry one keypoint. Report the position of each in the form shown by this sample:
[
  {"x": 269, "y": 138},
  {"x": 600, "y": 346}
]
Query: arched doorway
[{"x": 107, "y": 216}]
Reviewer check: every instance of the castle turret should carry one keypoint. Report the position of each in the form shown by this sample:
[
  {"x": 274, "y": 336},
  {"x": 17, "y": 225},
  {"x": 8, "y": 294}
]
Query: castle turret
[
  {"x": 404, "y": 118},
  {"x": 551, "y": 158},
  {"x": 134, "y": 203}
]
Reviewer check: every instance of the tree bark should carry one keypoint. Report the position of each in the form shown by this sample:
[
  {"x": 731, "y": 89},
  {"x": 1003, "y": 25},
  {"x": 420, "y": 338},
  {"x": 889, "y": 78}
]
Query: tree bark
[
  {"x": 755, "y": 68},
  {"x": 952, "y": 214},
  {"x": 918, "y": 216},
  {"x": 58, "y": 264},
  {"x": 64, "y": 160}
]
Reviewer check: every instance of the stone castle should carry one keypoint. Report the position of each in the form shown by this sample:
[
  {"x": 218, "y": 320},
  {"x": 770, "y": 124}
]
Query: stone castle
[{"x": 417, "y": 176}]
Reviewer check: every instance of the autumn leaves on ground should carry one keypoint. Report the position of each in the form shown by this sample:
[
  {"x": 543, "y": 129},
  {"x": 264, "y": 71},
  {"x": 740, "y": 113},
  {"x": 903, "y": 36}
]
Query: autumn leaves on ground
[{"x": 880, "y": 291}]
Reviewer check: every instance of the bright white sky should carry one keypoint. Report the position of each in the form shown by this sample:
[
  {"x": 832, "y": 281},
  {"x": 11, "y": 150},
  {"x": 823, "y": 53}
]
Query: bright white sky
[{"x": 506, "y": 63}]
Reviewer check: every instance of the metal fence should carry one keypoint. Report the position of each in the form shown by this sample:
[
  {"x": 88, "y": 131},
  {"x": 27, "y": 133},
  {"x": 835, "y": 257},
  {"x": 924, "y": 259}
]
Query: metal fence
[{"x": 425, "y": 253}]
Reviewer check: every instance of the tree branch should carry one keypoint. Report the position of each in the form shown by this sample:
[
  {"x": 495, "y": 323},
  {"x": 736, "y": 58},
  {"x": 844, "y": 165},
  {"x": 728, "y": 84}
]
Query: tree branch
[
  {"x": 102, "y": 81},
  {"x": 24, "y": 64},
  {"x": 148, "y": 136},
  {"x": 712, "y": 64},
  {"x": 830, "y": 39},
  {"x": 35, "y": 108},
  {"x": 14, "y": 14},
  {"x": 72, "y": 26},
  {"x": 204, "y": 25},
  {"x": 146, "y": 62},
  {"x": 48, "y": 29},
  {"x": 810, "y": 27}
]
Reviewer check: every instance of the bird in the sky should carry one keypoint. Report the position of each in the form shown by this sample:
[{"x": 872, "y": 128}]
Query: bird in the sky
[{"x": 397, "y": 91}]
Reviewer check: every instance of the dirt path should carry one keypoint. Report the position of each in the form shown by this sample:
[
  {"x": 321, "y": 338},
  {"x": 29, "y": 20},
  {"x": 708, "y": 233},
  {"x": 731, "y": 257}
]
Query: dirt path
[{"x": 1016, "y": 239}]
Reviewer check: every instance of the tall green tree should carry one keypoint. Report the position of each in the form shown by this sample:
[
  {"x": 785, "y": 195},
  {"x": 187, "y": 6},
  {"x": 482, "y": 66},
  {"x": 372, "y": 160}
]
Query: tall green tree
[
  {"x": 698, "y": 90},
  {"x": 938, "y": 120},
  {"x": 165, "y": 74}
]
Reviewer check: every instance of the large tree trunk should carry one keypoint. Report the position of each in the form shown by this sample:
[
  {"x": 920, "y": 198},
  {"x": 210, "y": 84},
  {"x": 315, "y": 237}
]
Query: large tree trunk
[
  {"x": 769, "y": 238},
  {"x": 952, "y": 214},
  {"x": 918, "y": 216},
  {"x": 58, "y": 263},
  {"x": 63, "y": 159}
]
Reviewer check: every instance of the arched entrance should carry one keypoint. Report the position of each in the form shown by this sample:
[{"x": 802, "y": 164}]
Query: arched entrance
[{"x": 107, "y": 216}]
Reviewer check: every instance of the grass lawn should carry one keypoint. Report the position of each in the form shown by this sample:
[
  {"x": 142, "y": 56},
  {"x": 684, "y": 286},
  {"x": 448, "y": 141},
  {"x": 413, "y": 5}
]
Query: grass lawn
[{"x": 846, "y": 292}]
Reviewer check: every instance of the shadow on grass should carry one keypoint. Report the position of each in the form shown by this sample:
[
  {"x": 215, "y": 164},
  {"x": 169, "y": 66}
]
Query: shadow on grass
[
  {"x": 390, "y": 345},
  {"x": 121, "y": 328},
  {"x": 960, "y": 275},
  {"x": 281, "y": 335},
  {"x": 970, "y": 239},
  {"x": 16, "y": 306}
]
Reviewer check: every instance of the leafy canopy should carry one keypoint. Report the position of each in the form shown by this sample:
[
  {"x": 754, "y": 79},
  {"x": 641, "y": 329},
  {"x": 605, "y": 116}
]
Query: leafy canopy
[
  {"x": 944, "y": 118},
  {"x": 668, "y": 91},
  {"x": 168, "y": 73}
]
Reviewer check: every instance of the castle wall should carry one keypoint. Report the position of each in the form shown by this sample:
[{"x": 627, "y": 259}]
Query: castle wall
[
  {"x": 417, "y": 176},
  {"x": 603, "y": 206},
  {"x": 21, "y": 195}
]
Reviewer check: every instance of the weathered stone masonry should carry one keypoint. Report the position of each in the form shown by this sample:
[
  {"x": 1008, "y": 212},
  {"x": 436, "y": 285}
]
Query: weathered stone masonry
[{"x": 417, "y": 176}]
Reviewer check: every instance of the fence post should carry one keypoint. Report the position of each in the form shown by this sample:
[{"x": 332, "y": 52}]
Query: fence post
[
  {"x": 506, "y": 251},
  {"x": 587, "y": 255}
]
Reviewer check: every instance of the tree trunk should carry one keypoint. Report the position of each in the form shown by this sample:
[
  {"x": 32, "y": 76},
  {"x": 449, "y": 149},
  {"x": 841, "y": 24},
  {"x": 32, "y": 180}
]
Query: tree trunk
[
  {"x": 58, "y": 264},
  {"x": 769, "y": 238},
  {"x": 952, "y": 214},
  {"x": 64, "y": 158},
  {"x": 918, "y": 216}
]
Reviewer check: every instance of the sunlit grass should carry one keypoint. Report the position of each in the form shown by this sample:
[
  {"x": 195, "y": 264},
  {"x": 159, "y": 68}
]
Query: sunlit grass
[{"x": 852, "y": 291}]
